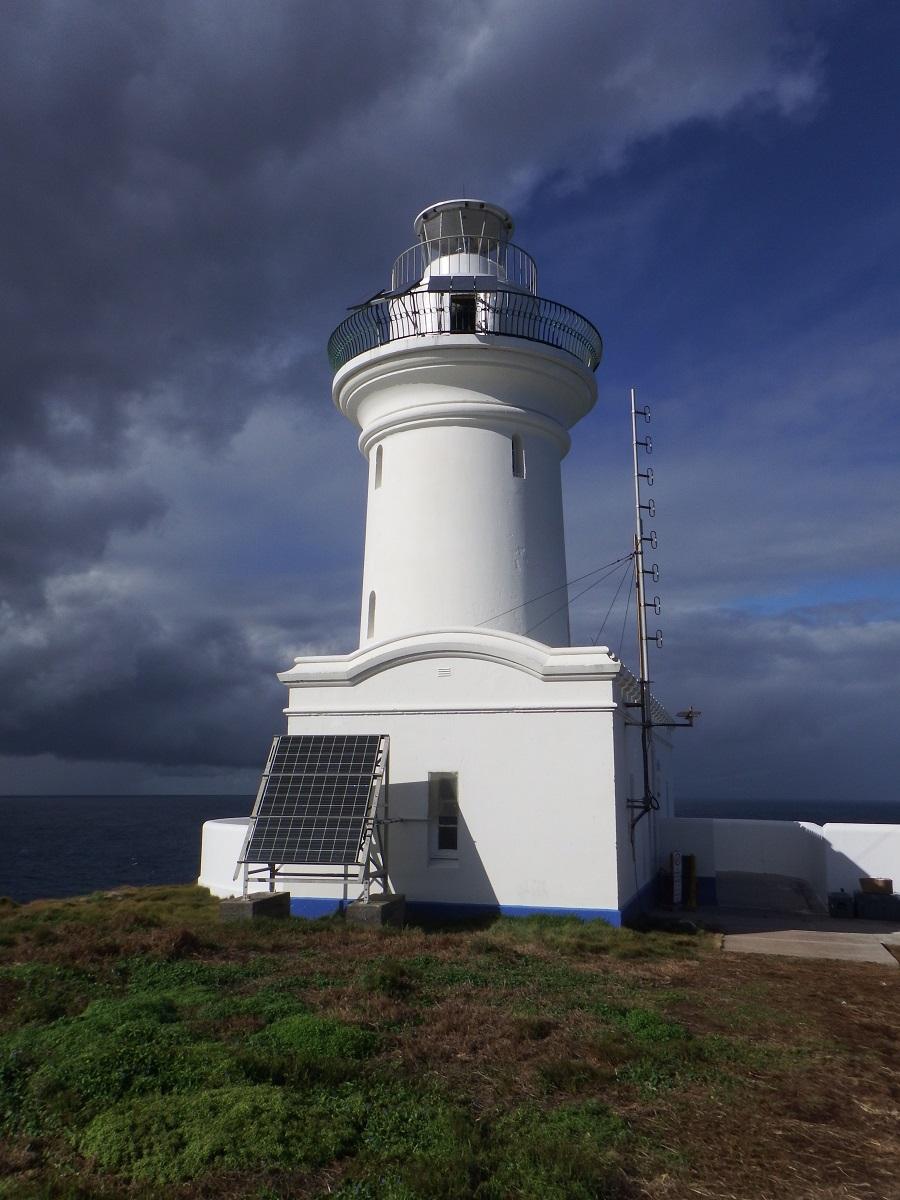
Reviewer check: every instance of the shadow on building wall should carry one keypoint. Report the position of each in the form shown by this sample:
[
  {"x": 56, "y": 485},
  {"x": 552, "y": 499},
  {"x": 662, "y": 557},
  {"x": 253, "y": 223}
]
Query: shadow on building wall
[{"x": 443, "y": 885}]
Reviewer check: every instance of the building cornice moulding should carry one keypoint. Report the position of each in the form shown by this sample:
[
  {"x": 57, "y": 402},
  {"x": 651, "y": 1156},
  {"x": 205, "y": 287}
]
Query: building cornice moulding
[{"x": 547, "y": 663}]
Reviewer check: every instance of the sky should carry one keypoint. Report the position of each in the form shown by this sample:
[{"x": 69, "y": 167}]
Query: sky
[{"x": 194, "y": 191}]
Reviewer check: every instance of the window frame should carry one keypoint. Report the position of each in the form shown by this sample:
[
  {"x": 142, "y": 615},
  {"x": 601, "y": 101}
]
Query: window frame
[
  {"x": 463, "y": 312},
  {"x": 438, "y": 821}
]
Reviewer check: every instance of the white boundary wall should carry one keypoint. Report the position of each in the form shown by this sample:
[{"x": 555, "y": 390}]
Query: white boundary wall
[
  {"x": 855, "y": 850},
  {"x": 829, "y": 857}
]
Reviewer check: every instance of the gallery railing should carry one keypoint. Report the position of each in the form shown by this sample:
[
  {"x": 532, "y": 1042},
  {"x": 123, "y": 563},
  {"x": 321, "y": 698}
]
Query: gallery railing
[
  {"x": 465, "y": 254},
  {"x": 505, "y": 314}
]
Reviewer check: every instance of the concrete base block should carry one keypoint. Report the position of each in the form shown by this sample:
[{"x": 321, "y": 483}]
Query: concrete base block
[
  {"x": 257, "y": 904},
  {"x": 378, "y": 910}
]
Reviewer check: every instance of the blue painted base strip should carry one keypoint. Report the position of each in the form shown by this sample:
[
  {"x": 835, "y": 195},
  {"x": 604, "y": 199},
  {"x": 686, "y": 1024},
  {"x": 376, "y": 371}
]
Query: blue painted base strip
[
  {"x": 315, "y": 906},
  {"x": 323, "y": 906},
  {"x": 445, "y": 911},
  {"x": 612, "y": 916}
]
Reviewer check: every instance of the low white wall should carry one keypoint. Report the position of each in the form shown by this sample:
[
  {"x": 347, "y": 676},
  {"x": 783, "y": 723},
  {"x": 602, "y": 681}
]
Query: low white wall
[
  {"x": 221, "y": 844},
  {"x": 793, "y": 848},
  {"x": 223, "y": 841},
  {"x": 829, "y": 857},
  {"x": 862, "y": 850},
  {"x": 688, "y": 835}
]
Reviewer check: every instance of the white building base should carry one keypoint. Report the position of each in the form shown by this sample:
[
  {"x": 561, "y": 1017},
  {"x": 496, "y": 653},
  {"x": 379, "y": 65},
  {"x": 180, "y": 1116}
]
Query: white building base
[{"x": 536, "y": 738}]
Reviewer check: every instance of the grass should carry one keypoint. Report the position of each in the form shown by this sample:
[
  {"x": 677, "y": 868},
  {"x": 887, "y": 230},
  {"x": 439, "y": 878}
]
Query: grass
[{"x": 148, "y": 1050}]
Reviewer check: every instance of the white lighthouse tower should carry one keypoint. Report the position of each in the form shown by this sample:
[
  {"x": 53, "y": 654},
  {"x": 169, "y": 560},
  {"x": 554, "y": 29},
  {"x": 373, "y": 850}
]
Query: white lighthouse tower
[
  {"x": 512, "y": 754},
  {"x": 464, "y": 386}
]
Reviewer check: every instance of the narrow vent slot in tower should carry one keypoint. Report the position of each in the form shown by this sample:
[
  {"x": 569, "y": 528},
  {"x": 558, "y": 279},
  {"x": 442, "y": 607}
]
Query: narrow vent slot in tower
[
  {"x": 518, "y": 458},
  {"x": 379, "y": 465}
]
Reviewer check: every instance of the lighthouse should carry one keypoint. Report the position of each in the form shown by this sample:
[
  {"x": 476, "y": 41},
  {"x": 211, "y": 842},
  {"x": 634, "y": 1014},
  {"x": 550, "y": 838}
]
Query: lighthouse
[
  {"x": 513, "y": 754},
  {"x": 464, "y": 385}
]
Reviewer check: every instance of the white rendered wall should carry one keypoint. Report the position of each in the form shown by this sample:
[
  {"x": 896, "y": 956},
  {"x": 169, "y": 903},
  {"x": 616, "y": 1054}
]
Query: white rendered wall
[
  {"x": 795, "y": 849},
  {"x": 829, "y": 857},
  {"x": 537, "y": 829},
  {"x": 544, "y": 763},
  {"x": 638, "y": 848},
  {"x": 792, "y": 848},
  {"x": 223, "y": 840},
  {"x": 528, "y": 730},
  {"x": 452, "y": 536},
  {"x": 861, "y": 850},
  {"x": 688, "y": 835}
]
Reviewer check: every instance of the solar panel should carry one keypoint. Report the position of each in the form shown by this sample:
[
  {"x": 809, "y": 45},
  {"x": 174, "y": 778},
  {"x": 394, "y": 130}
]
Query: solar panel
[{"x": 316, "y": 800}]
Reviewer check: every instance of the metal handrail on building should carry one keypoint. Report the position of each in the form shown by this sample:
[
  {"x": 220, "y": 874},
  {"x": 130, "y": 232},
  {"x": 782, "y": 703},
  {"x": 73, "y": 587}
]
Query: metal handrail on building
[
  {"x": 505, "y": 314},
  {"x": 466, "y": 254}
]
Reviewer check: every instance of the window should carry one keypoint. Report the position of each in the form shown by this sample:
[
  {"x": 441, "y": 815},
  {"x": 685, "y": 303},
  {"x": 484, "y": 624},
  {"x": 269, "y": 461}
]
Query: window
[
  {"x": 370, "y": 621},
  {"x": 462, "y": 314},
  {"x": 518, "y": 458},
  {"x": 379, "y": 465},
  {"x": 443, "y": 814}
]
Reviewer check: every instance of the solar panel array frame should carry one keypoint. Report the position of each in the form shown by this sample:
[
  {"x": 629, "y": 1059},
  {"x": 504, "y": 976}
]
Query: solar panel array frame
[{"x": 315, "y": 801}]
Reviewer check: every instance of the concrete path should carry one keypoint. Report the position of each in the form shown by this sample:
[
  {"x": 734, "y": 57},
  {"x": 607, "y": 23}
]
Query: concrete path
[
  {"x": 813, "y": 943},
  {"x": 802, "y": 935}
]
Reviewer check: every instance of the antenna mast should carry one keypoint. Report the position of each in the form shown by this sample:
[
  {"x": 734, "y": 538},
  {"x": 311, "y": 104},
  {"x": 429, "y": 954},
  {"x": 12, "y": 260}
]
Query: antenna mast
[{"x": 640, "y": 806}]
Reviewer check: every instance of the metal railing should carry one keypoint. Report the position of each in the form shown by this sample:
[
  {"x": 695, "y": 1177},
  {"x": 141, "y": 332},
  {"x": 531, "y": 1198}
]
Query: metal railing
[
  {"x": 465, "y": 254},
  {"x": 506, "y": 314}
]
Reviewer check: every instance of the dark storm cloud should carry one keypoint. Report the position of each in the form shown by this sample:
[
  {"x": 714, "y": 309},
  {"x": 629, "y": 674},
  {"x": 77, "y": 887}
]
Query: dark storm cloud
[
  {"x": 801, "y": 703},
  {"x": 193, "y": 192},
  {"x": 53, "y": 523},
  {"x": 97, "y": 679},
  {"x": 144, "y": 263},
  {"x": 189, "y": 183}
]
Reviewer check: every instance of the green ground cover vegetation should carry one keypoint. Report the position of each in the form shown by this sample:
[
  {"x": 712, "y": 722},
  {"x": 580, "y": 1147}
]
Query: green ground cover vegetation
[{"x": 146, "y": 1049}]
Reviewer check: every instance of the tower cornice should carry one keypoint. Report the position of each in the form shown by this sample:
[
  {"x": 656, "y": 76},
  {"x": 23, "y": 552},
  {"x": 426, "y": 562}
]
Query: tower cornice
[{"x": 498, "y": 383}]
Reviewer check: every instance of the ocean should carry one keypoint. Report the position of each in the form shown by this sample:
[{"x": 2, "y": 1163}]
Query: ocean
[{"x": 73, "y": 845}]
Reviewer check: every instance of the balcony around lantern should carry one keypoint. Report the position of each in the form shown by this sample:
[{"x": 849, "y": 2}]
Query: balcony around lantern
[{"x": 503, "y": 313}]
